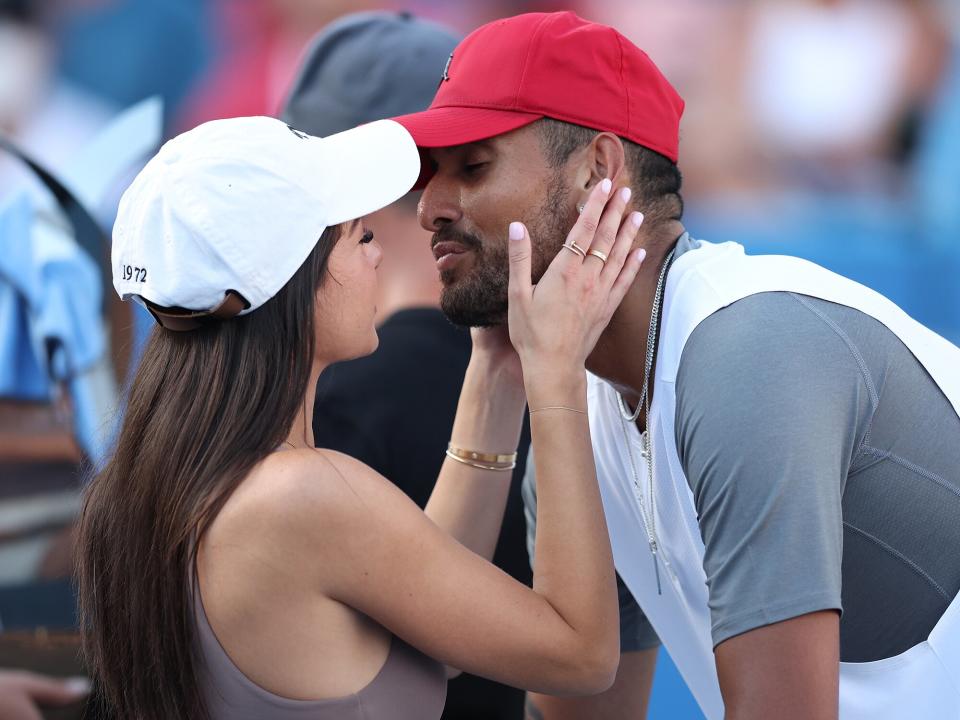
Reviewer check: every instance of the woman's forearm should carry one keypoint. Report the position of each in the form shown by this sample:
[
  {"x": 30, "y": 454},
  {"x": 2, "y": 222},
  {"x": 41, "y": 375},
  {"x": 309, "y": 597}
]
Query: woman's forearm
[
  {"x": 573, "y": 567},
  {"x": 468, "y": 502}
]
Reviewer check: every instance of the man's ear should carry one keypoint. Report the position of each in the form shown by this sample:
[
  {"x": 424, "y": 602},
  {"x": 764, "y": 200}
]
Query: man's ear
[{"x": 603, "y": 158}]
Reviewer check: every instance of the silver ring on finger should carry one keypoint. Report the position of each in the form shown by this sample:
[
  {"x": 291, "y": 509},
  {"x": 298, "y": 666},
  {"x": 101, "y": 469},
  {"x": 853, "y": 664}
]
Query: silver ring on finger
[
  {"x": 573, "y": 247},
  {"x": 597, "y": 254}
]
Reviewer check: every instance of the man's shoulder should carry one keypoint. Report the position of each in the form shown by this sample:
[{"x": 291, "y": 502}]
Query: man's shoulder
[
  {"x": 771, "y": 354},
  {"x": 754, "y": 315},
  {"x": 780, "y": 325}
]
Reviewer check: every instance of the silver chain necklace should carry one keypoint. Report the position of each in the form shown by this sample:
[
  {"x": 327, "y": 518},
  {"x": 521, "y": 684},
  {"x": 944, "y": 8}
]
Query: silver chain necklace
[
  {"x": 649, "y": 518},
  {"x": 651, "y": 344}
]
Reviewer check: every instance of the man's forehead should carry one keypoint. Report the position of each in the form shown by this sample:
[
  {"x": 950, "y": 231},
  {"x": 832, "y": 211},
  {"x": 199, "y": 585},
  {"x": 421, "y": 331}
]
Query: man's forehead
[
  {"x": 485, "y": 144},
  {"x": 509, "y": 143}
]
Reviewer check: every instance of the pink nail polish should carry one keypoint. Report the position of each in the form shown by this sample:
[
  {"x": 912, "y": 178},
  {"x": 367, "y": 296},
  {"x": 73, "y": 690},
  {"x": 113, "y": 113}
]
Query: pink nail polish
[{"x": 605, "y": 186}]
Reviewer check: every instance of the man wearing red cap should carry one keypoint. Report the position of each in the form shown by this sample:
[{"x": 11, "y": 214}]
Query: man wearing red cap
[{"x": 775, "y": 444}]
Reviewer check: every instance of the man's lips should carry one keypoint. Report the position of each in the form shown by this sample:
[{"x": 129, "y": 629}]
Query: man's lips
[
  {"x": 448, "y": 254},
  {"x": 447, "y": 247}
]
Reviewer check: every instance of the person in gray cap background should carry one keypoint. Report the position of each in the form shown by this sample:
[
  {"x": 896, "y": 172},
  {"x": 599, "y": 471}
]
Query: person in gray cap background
[
  {"x": 362, "y": 68},
  {"x": 393, "y": 409}
]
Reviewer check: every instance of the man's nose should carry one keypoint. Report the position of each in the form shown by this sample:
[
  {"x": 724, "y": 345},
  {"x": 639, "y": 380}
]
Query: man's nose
[{"x": 439, "y": 204}]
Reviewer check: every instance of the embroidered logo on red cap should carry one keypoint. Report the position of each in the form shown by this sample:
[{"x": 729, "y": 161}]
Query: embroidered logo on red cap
[{"x": 446, "y": 69}]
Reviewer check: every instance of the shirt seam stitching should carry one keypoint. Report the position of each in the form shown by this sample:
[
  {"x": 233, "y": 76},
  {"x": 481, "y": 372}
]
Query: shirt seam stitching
[
  {"x": 913, "y": 467},
  {"x": 766, "y": 612},
  {"x": 858, "y": 358},
  {"x": 899, "y": 556}
]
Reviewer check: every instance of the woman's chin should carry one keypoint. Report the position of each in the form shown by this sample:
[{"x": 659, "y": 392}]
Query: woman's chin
[
  {"x": 356, "y": 348},
  {"x": 367, "y": 348},
  {"x": 374, "y": 343}
]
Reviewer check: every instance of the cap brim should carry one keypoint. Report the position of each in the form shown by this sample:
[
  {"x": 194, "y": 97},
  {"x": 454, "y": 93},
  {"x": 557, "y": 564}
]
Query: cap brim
[
  {"x": 377, "y": 164},
  {"x": 449, "y": 126}
]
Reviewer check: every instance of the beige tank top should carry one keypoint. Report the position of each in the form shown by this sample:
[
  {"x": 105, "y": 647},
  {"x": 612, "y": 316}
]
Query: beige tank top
[{"x": 409, "y": 686}]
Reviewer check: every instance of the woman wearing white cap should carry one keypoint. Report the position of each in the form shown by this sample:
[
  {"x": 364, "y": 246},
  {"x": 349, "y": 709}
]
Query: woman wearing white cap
[{"x": 229, "y": 569}]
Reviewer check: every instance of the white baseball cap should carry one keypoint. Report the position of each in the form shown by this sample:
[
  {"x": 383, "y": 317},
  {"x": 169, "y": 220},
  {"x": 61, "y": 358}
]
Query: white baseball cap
[{"x": 223, "y": 215}]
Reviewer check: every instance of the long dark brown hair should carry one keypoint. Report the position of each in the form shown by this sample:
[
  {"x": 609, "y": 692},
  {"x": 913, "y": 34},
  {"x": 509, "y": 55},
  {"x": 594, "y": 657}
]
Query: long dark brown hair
[{"x": 204, "y": 408}]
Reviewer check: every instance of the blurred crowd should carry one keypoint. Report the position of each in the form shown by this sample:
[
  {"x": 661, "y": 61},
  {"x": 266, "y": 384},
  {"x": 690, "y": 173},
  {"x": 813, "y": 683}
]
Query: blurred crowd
[
  {"x": 824, "y": 128},
  {"x": 827, "y": 129}
]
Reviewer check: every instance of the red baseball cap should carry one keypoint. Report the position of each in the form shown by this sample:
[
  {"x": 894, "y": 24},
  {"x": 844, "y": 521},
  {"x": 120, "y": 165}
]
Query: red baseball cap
[{"x": 511, "y": 72}]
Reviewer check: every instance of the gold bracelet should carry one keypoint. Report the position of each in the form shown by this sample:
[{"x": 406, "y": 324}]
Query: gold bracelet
[
  {"x": 559, "y": 407},
  {"x": 481, "y": 466},
  {"x": 481, "y": 457}
]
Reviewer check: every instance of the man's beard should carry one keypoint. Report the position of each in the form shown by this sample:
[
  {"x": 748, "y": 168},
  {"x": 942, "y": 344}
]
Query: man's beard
[{"x": 479, "y": 297}]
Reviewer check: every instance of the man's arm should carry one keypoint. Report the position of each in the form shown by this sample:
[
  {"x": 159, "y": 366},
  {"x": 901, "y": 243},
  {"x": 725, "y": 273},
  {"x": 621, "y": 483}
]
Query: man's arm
[
  {"x": 627, "y": 699},
  {"x": 771, "y": 403},
  {"x": 788, "y": 670}
]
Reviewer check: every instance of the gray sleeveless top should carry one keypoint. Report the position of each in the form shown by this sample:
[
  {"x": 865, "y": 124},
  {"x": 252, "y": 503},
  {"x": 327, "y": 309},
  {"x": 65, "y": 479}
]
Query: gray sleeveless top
[{"x": 409, "y": 686}]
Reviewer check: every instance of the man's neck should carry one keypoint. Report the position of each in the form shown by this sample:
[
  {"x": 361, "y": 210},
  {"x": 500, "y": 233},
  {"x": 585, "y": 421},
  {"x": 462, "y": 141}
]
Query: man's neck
[{"x": 621, "y": 351}]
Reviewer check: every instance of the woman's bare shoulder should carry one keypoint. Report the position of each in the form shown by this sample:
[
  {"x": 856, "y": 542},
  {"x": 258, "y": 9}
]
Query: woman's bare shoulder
[{"x": 306, "y": 496}]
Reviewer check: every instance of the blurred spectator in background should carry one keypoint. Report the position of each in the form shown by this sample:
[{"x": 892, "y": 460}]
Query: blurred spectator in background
[
  {"x": 47, "y": 116},
  {"x": 394, "y": 409},
  {"x": 259, "y": 42},
  {"x": 936, "y": 177},
  {"x": 837, "y": 88},
  {"x": 826, "y": 129},
  {"x": 467, "y": 16},
  {"x": 22, "y": 694},
  {"x": 816, "y": 95},
  {"x": 45, "y": 295},
  {"x": 127, "y": 50},
  {"x": 259, "y": 45}
]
